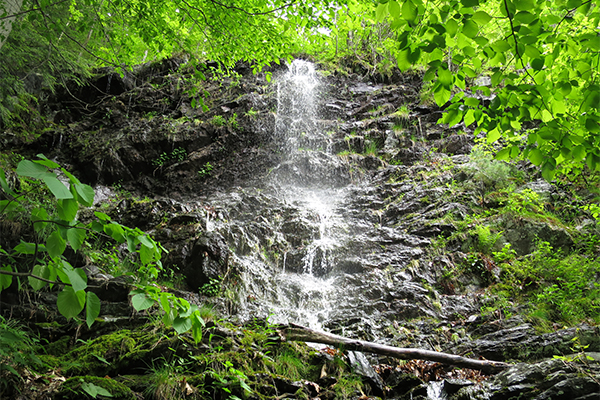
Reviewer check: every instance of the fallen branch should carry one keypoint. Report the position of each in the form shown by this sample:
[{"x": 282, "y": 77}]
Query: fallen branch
[{"x": 297, "y": 333}]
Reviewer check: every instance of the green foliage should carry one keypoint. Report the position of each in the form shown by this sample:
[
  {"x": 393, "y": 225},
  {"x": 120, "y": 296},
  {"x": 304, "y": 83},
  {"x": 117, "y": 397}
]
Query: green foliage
[
  {"x": 206, "y": 170},
  {"x": 558, "y": 288},
  {"x": 218, "y": 120},
  {"x": 542, "y": 59},
  {"x": 56, "y": 227},
  {"x": 177, "y": 155},
  {"x": 233, "y": 122},
  {"x": 16, "y": 353},
  {"x": 371, "y": 148},
  {"x": 488, "y": 172},
  {"x": 212, "y": 288},
  {"x": 486, "y": 239},
  {"x": 93, "y": 387}
]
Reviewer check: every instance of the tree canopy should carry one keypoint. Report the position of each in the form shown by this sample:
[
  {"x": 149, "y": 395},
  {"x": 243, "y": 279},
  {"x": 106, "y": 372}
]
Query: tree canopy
[{"x": 541, "y": 58}]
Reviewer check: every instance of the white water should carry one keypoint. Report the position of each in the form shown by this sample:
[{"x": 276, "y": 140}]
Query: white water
[
  {"x": 296, "y": 104},
  {"x": 305, "y": 296}
]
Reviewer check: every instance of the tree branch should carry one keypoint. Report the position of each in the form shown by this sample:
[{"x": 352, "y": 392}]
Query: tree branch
[
  {"x": 31, "y": 275},
  {"x": 294, "y": 332}
]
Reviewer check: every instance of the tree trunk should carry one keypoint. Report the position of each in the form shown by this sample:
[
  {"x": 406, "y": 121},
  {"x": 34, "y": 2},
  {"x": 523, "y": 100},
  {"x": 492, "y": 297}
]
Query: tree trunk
[
  {"x": 294, "y": 332},
  {"x": 11, "y": 8}
]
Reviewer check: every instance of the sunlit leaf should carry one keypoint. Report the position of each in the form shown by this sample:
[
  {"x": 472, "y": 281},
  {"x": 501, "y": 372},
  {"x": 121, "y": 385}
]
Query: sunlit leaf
[
  {"x": 86, "y": 194},
  {"x": 31, "y": 169},
  {"x": 58, "y": 189},
  {"x": 141, "y": 302},
  {"x": 182, "y": 325}
]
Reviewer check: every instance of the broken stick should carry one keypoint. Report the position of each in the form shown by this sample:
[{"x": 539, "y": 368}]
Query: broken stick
[{"x": 297, "y": 333}]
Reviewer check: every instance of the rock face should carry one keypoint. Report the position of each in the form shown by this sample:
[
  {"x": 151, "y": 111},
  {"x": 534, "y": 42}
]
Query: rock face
[
  {"x": 356, "y": 231},
  {"x": 208, "y": 260}
]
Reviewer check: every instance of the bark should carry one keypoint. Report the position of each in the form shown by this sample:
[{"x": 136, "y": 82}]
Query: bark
[
  {"x": 294, "y": 332},
  {"x": 10, "y": 7}
]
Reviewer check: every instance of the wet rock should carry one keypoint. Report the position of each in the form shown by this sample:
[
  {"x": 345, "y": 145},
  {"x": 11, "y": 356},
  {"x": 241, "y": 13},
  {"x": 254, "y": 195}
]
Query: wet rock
[
  {"x": 401, "y": 383},
  {"x": 521, "y": 343},
  {"x": 208, "y": 260},
  {"x": 111, "y": 289},
  {"x": 525, "y": 235},
  {"x": 550, "y": 379},
  {"x": 361, "y": 366}
]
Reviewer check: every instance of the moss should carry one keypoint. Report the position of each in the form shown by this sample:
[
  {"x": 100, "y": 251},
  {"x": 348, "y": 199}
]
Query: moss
[
  {"x": 59, "y": 347},
  {"x": 120, "y": 351},
  {"x": 74, "y": 389}
]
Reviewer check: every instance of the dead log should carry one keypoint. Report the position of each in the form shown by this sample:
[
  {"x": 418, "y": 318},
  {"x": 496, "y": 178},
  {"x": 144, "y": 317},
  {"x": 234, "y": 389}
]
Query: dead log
[{"x": 297, "y": 333}]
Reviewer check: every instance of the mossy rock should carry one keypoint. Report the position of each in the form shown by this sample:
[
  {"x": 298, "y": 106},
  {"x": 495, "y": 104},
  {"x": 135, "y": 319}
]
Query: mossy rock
[
  {"x": 123, "y": 351},
  {"x": 90, "y": 387}
]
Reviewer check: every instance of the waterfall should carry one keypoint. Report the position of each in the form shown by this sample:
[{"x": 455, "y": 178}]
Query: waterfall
[
  {"x": 296, "y": 105},
  {"x": 300, "y": 288}
]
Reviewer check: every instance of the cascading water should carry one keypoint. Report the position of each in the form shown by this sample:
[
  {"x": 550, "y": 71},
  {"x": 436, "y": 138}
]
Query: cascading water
[
  {"x": 296, "y": 106},
  {"x": 301, "y": 289}
]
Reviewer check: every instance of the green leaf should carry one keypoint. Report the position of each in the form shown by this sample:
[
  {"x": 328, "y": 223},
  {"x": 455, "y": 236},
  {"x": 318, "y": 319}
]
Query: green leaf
[
  {"x": 101, "y": 216},
  {"x": 503, "y": 154},
  {"x": 92, "y": 308},
  {"x": 536, "y": 157},
  {"x": 115, "y": 231},
  {"x": 451, "y": 27},
  {"x": 481, "y": 17},
  {"x": 55, "y": 244},
  {"x": 58, "y": 189},
  {"x": 493, "y": 135},
  {"x": 86, "y": 194},
  {"x": 381, "y": 11},
  {"x": 5, "y": 280},
  {"x": 182, "y": 325},
  {"x": 4, "y": 184},
  {"x": 441, "y": 94},
  {"x": 470, "y": 28},
  {"x": 549, "y": 169},
  {"x": 141, "y": 302},
  {"x": 146, "y": 241},
  {"x": 39, "y": 214},
  {"x": 43, "y": 272},
  {"x": 67, "y": 209},
  {"x": 76, "y": 237},
  {"x": 70, "y": 303},
  {"x": 164, "y": 302},
  {"x": 592, "y": 125},
  {"x": 75, "y": 279},
  {"x": 402, "y": 59},
  {"x": 524, "y": 4},
  {"x": 146, "y": 255},
  {"x": 469, "y": 3},
  {"x": 445, "y": 77},
  {"x": 546, "y": 116},
  {"x": 95, "y": 390},
  {"x": 31, "y": 169},
  {"x": 524, "y": 17},
  {"x": 409, "y": 11},
  {"x": 501, "y": 46},
  {"x": 26, "y": 248},
  {"x": 394, "y": 8},
  {"x": 48, "y": 163},
  {"x": 469, "y": 117},
  {"x": 537, "y": 64},
  {"x": 579, "y": 153}
]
